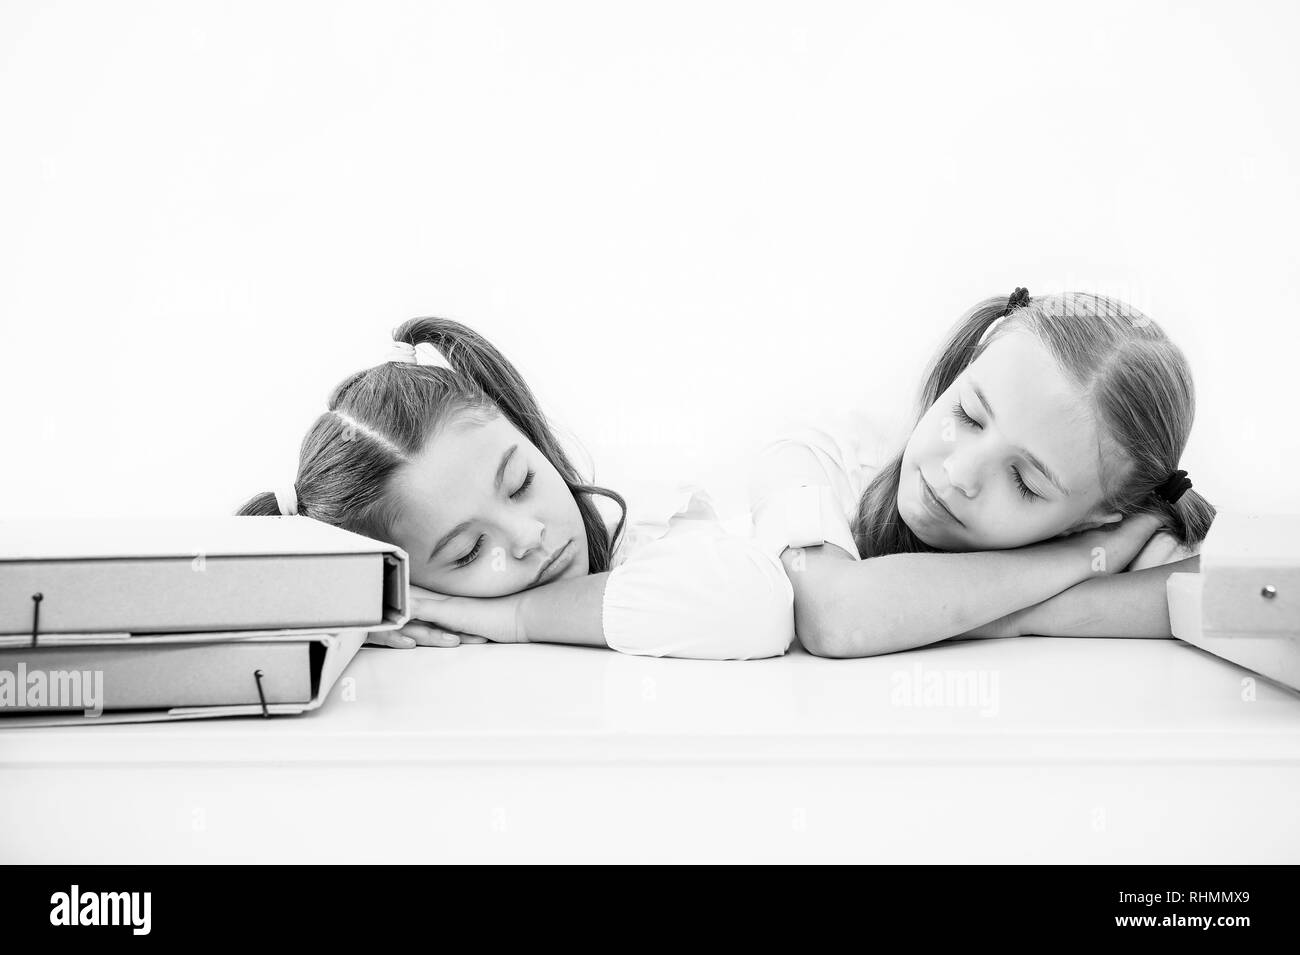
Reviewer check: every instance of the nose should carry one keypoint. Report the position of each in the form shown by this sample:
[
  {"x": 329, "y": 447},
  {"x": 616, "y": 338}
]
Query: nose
[
  {"x": 526, "y": 537},
  {"x": 963, "y": 471}
]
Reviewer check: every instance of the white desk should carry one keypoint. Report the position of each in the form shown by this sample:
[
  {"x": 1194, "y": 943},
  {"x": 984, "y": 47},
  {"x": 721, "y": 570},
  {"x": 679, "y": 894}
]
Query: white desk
[{"x": 1093, "y": 751}]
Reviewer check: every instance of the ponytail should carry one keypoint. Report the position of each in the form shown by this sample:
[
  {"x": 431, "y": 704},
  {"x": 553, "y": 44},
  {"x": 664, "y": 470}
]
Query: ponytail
[
  {"x": 259, "y": 505},
  {"x": 963, "y": 346},
  {"x": 1188, "y": 519}
]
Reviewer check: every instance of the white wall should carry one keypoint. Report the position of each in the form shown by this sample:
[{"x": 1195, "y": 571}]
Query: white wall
[{"x": 687, "y": 223}]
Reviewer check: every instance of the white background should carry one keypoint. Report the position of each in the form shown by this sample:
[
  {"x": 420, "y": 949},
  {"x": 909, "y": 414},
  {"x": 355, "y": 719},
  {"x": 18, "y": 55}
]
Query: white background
[{"x": 688, "y": 224}]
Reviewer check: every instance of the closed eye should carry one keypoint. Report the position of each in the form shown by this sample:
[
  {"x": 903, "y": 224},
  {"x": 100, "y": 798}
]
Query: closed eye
[
  {"x": 469, "y": 558},
  {"x": 1025, "y": 490},
  {"x": 523, "y": 487},
  {"x": 960, "y": 412}
]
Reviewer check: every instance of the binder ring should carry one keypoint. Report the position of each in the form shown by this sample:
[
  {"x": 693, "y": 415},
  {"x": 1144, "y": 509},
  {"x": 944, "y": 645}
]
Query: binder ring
[
  {"x": 257, "y": 675},
  {"x": 36, "y": 615}
]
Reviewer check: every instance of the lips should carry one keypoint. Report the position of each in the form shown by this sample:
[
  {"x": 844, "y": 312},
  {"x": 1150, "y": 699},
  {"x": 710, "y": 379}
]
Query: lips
[
  {"x": 932, "y": 500},
  {"x": 554, "y": 564}
]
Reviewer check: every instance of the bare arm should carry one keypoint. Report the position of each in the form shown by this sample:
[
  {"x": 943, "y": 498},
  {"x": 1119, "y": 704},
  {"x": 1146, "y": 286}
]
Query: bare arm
[
  {"x": 852, "y": 608},
  {"x": 567, "y": 611},
  {"x": 845, "y": 607},
  {"x": 707, "y": 595},
  {"x": 1134, "y": 604}
]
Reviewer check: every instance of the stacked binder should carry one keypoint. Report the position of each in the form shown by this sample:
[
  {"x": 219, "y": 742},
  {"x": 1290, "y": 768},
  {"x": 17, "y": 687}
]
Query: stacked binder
[
  {"x": 122, "y": 620},
  {"x": 1244, "y": 605}
]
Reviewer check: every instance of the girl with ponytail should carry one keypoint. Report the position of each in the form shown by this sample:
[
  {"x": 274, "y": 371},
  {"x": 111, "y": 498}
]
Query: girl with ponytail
[
  {"x": 1043, "y": 462},
  {"x": 443, "y": 450}
]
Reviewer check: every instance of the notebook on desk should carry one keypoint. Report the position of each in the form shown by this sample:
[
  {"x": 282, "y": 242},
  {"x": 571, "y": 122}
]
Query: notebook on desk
[
  {"x": 195, "y": 574},
  {"x": 114, "y": 620},
  {"x": 161, "y": 679}
]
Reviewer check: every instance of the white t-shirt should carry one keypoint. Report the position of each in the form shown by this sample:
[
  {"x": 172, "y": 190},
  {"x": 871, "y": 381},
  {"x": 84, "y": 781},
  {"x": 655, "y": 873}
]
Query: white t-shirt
[
  {"x": 684, "y": 583},
  {"x": 805, "y": 487}
]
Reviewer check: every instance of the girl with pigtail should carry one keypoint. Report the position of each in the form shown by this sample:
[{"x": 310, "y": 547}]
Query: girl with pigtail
[
  {"x": 1038, "y": 492},
  {"x": 443, "y": 450}
]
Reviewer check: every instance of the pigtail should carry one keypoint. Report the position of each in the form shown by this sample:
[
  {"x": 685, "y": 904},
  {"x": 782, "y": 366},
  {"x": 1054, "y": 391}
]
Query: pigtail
[
  {"x": 1188, "y": 519},
  {"x": 1194, "y": 515},
  {"x": 478, "y": 362},
  {"x": 962, "y": 347},
  {"x": 259, "y": 505}
]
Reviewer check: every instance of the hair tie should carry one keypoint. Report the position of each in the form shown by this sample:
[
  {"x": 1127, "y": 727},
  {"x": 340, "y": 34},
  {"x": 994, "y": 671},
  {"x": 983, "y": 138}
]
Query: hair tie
[
  {"x": 287, "y": 500},
  {"x": 1174, "y": 487},
  {"x": 425, "y": 353},
  {"x": 1015, "y": 300}
]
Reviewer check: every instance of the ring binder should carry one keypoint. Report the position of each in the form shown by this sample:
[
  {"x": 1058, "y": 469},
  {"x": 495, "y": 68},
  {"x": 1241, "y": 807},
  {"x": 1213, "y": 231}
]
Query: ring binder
[
  {"x": 36, "y": 615},
  {"x": 137, "y": 576},
  {"x": 257, "y": 675}
]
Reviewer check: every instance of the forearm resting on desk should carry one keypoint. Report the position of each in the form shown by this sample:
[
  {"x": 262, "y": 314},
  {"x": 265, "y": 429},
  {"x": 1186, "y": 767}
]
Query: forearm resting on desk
[
  {"x": 1122, "y": 605},
  {"x": 567, "y": 611},
  {"x": 851, "y": 608}
]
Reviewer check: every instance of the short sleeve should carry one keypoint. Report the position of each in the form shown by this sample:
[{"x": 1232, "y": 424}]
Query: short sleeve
[
  {"x": 804, "y": 489},
  {"x": 702, "y": 593}
]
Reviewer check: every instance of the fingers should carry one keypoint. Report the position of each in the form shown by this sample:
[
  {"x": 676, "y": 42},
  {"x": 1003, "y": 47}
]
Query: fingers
[
  {"x": 390, "y": 638},
  {"x": 426, "y": 636}
]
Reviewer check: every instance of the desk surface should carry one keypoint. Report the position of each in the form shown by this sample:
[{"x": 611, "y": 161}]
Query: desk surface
[
  {"x": 1069, "y": 750},
  {"x": 1017, "y": 700}
]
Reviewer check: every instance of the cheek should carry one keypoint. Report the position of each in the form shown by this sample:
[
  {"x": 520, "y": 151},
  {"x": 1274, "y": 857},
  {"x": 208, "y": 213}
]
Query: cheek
[
  {"x": 561, "y": 510},
  {"x": 1012, "y": 522},
  {"x": 930, "y": 439}
]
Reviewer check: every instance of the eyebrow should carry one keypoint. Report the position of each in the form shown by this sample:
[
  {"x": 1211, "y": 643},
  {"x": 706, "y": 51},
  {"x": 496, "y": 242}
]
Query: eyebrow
[
  {"x": 500, "y": 475},
  {"x": 1047, "y": 473}
]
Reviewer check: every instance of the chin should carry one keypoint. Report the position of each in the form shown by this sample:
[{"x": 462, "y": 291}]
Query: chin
[{"x": 918, "y": 527}]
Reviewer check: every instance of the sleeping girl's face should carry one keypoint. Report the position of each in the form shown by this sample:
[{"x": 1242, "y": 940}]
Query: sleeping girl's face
[
  {"x": 485, "y": 514},
  {"x": 1009, "y": 455}
]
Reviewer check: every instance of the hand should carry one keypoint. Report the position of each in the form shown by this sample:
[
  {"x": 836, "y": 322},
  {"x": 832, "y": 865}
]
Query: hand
[
  {"x": 416, "y": 634},
  {"x": 438, "y": 620},
  {"x": 1112, "y": 547}
]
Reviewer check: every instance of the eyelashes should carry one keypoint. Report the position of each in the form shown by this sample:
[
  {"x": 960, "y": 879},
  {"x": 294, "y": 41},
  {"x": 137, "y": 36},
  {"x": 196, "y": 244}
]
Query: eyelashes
[
  {"x": 960, "y": 412},
  {"x": 523, "y": 487},
  {"x": 1025, "y": 490},
  {"x": 478, "y": 544},
  {"x": 469, "y": 558}
]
